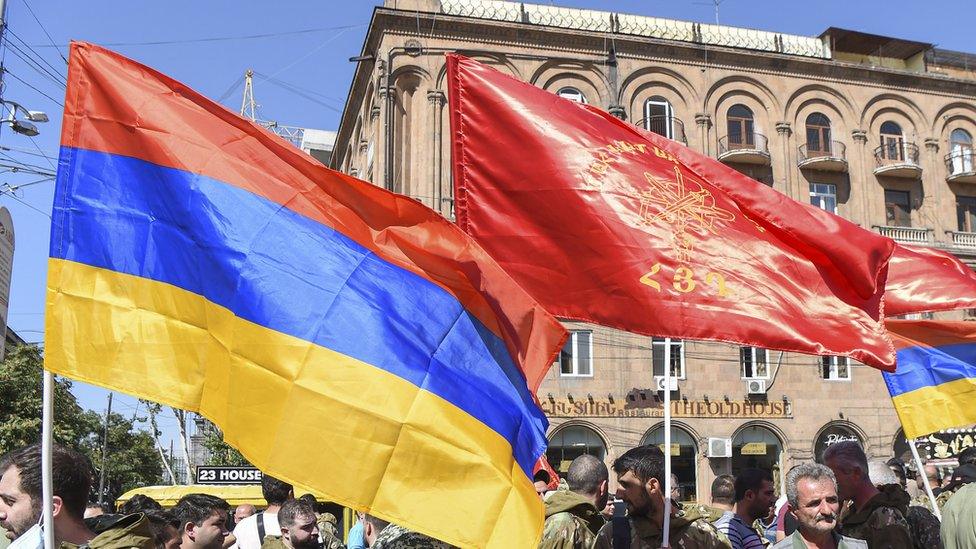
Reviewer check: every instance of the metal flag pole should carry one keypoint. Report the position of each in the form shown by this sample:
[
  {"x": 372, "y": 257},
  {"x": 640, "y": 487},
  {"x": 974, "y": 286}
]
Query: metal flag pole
[
  {"x": 47, "y": 488},
  {"x": 666, "y": 533},
  {"x": 921, "y": 471}
]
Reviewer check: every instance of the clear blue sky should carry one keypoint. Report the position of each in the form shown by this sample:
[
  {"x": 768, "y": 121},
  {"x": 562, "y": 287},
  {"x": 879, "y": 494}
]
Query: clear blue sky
[{"x": 203, "y": 44}]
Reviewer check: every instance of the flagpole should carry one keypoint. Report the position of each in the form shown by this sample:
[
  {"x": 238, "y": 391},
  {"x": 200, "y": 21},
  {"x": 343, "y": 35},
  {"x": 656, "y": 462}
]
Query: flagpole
[
  {"x": 667, "y": 443},
  {"x": 47, "y": 488},
  {"x": 921, "y": 471}
]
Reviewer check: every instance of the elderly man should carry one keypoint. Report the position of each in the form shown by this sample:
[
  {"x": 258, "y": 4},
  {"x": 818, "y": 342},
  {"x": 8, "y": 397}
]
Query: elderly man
[
  {"x": 243, "y": 511},
  {"x": 811, "y": 491},
  {"x": 875, "y": 515}
]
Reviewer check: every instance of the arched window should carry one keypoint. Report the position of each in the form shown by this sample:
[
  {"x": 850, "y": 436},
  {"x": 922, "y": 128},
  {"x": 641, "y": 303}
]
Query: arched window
[
  {"x": 892, "y": 142},
  {"x": 757, "y": 446},
  {"x": 832, "y": 433},
  {"x": 818, "y": 135},
  {"x": 659, "y": 117},
  {"x": 572, "y": 94},
  {"x": 741, "y": 127},
  {"x": 961, "y": 151},
  {"x": 570, "y": 443},
  {"x": 684, "y": 458}
]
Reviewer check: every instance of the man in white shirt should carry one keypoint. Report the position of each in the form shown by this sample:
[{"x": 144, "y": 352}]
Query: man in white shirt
[{"x": 251, "y": 531}]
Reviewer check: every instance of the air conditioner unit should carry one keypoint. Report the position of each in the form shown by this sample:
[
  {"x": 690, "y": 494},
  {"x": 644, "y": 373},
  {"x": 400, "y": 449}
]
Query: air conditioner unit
[
  {"x": 756, "y": 386},
  {"x": 719, "y": 447},
  {"x": 660, "y": 386}
]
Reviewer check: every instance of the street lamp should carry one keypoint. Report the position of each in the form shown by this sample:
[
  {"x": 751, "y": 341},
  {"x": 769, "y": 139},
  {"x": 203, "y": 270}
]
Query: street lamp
[{"x": 24, "y": 127}]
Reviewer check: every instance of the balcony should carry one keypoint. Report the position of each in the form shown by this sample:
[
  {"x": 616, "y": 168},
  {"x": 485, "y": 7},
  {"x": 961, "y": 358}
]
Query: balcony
[
  {"x": 826, "y": 157},
  {"x": 959, "y": 239},
  {"x": 907, "y": 235},
  {"x": 668, "y": 126},
  {"x": 751, "y": 148},
  {"x": 961, "y": 164},
  {"x": 897, "y": 160}
]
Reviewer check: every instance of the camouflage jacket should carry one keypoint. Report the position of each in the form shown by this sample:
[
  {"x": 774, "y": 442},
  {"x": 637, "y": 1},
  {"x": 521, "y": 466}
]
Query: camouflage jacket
[
  {"x": 119, "y": 532},
  {"x": 328, "y": 531},
  {"x": 690, "y": 529},
  {"x": 924, "y": 527},
  {"x": 572, "y": 521},
  {"x": 398, "y": 537},
  {"x": 881, "y": 522}
]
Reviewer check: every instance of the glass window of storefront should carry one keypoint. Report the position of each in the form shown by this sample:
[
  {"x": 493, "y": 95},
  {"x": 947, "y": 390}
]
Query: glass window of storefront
[
  {"x": 571, "y": 442},
  {"x": 684, "y": 458},
  {"x": 757, "y": 446}
]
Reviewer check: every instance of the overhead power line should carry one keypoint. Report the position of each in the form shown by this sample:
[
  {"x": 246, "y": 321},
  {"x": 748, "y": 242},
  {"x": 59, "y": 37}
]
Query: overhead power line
[
  {"x": 34, "y": 54},
  {"x": 51, "y": 40},
  {"x": 31, "y": 86},
  {"x": 216, "y": 38}
]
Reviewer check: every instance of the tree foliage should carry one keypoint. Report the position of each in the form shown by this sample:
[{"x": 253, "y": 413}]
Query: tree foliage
[
  {"x": 219, "y": 452},
  {"x": 132, "y": 459}
]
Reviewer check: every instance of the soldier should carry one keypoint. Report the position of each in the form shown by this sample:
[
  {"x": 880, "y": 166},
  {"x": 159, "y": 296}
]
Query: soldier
[
  {"x": 933, "y": 478},
  {"x": 299, "y": 529},
  {"x": 573, "y": 511},
  {"x": 640, "y": 476},
  {"x": 964, "y": 474},
  {"x": 923, "y": 525},
  {"x": 874, "y": 515},
  {"x": 203, "y": 521},
  {"x": 380, "y": 534},
  {"x": 811, "y": 491}
]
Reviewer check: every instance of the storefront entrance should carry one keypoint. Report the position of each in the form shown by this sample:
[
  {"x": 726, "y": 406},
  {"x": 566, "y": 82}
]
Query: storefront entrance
[{"x": 684, "y": 458}]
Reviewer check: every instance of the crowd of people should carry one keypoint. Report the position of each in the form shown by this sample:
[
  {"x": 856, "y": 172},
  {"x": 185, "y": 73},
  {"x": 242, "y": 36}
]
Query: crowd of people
[{"x": 847, "y": 501}]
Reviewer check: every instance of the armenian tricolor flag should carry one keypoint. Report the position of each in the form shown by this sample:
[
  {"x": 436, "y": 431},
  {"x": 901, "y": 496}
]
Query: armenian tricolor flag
[
  {"x": 343, "y": 337},
  {"x": 934, "y": 385}
]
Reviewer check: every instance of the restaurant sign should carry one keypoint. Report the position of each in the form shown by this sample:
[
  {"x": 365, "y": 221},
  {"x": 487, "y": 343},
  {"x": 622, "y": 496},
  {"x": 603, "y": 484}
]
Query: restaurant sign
[
  {"x": 650, "y": 408},
  {"x": 947, "y": 444}
]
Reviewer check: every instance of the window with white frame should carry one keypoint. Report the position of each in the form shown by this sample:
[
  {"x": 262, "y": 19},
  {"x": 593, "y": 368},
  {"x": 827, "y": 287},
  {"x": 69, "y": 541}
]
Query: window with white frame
[
  {"x": 576, "y": 358},
  {"x": 835, "y": 368},
  {"x": 824, "y": 196},
  {"x": 755, "y": 362},
  {"x": 658, "y": 347},
  {"x": 572, "y": 94}
]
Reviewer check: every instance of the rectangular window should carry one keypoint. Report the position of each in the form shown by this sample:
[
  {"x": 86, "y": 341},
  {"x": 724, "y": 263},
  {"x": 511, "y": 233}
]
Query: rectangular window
[
  {"x": 835, "y": 368},
  {"x": 658, "y": 346},
  {"x": 755, "y": 362},
  {"x": 966, "y": 213},
  {"x": 658, "y": 118},
  {"x": 897, "y": 208},
  {"x": 576, "y": 358},
  {"x": 824, "y": 196}
]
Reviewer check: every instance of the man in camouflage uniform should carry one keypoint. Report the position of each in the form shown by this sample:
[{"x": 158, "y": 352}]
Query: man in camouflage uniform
[
  {"x": 962, "y": 475},
  {"x": 874, "y": 515},
  {"x": 573, "y": 511},
  {"x": 923, "y": 525},
  {"x": 380, "y": 534},
  {"x": 640, "y": 476}
]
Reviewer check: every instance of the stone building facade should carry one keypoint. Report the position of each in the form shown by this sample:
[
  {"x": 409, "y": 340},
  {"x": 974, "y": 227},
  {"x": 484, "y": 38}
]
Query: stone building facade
[{"x": 878, "y": 130}]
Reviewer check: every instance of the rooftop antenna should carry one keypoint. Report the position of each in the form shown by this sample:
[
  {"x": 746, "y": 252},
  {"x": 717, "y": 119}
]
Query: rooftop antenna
[
  {"x": 248, "y": 106},
  {"x": 716, "y": 4}
]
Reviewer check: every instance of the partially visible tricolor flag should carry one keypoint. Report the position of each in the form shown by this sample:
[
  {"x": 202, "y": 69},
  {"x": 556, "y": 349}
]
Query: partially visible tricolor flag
[
  {"x": 343, "y": 338},
  {"x": 603, "y": 222},
  {"x": 934, "y": 385},
  {"x": 923, "y": 280}
]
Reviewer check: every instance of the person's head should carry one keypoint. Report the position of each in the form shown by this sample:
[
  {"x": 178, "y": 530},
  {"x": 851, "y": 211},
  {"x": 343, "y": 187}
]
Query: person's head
[
  {"x": 372, "y": 526},
  {"x": 932, "y": 476},
  {"x": 93, "y": 510},
  {"x": 811, "y": 490},
  {"x": 203, "y": 521},
  {"x": 640, "y": 479},
  {"x": 299, "y": 529},
  {"x": 139, "y": 503},
  {"x": 675, "y": 487},
  {"x": 881, "y": 474},
  {"x": 243, "y": 511},
  {"x": 964, "y": 474},
  {"x": 850, "y": 466},
  {"x": 541, "y": 480},
  {"x": 165, "y": 528},
  {"x": 275, "y": 491},
  {"x": 723, "y": 492},
  {"x": 898, "y": 468},
  {"x": 588, "y": 476},
  {"x": 754, "y": 493},
  {"x": 20, "y": 487},
  {"x": 968, "y": 456}
]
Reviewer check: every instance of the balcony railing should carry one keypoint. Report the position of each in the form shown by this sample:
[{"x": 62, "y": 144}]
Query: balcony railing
[
  {"x": 961, "y": 239},
  {"x": 896, "y": 153},
  {"x": 830, "y": 155},
  {"x": 750, "y": 148},
  {"x": 961, "y": 163},
  {"x": 906, "y": 235},
  {"x": 671, "y": 127}
]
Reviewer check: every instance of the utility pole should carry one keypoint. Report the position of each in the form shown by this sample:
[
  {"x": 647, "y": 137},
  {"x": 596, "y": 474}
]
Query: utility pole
[
  {"x": 248, "y": 107},
  {"x": 101, "y": 474}
]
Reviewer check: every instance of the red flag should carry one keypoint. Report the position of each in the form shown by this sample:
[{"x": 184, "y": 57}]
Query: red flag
[
  {"x": 606, "y": 223},
  {"x": 923, "y": 279}
]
